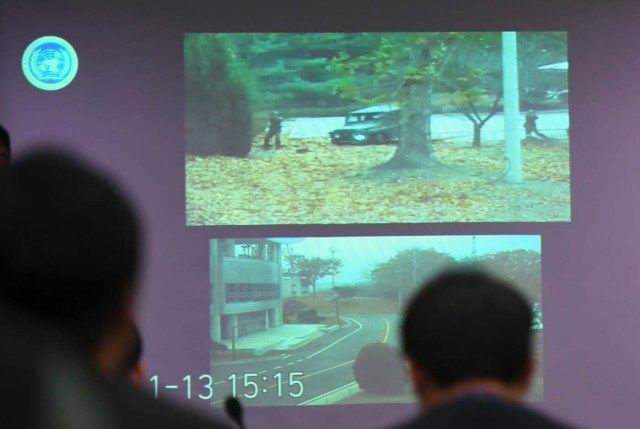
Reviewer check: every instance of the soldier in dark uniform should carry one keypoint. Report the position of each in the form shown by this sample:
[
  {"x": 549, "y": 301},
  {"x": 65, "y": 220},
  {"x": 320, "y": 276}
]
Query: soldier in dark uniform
[
  {"x": 530, "y": 126},
  {"x": 273, "y": 130}
]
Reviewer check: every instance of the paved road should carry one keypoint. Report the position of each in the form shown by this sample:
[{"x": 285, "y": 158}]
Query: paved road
[
  {"x": 323, "y": 366},
  {"x": 553, "y": 123}
]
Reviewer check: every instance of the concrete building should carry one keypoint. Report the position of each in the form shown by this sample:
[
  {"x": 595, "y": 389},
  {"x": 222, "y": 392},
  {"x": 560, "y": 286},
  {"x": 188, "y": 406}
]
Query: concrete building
[
  {"x": 292, "y": 287},
  {"x": 245, "y": 277}
]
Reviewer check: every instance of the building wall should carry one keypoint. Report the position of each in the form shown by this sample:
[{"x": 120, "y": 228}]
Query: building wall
[{"x": 245, "y": 290}]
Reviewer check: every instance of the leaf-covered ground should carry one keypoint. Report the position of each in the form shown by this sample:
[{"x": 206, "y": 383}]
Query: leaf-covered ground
[{"x": 311, "y": 181}]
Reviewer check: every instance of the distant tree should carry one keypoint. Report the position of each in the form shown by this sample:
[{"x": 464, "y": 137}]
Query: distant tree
[
  {"x": 537, "y": 49},
  {"x": 520, "y": 267},
  {"x": 401, "y": 274},
  {"x": 334, "y": 268},
  {"x": 295, "y": 263},
  {"x": 218, "y": 98},
  {"x": 466, "y": 101},
  {"x": 309, "y": 271},
  {"x": 473, "y": 73}
]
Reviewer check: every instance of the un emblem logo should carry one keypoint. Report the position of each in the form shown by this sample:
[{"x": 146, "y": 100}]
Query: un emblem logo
[{"x": 50, "y": 63}]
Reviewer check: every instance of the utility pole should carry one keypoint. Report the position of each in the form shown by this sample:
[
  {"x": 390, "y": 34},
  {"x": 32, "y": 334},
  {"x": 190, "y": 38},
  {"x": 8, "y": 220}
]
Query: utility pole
[
  {"x": 332, "y": 249},
  {"x": 512, "y": 148},
  {"x": 234, "y": 336},
  {"x": 474, "y": 252},
  {"x": 333, "y": 267}
]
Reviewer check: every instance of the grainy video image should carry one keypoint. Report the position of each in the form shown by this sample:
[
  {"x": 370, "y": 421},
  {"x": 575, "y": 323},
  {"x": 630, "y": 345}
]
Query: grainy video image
[
  {"x": 349, "y": 128},
  {"x": 315, "y": 321}
]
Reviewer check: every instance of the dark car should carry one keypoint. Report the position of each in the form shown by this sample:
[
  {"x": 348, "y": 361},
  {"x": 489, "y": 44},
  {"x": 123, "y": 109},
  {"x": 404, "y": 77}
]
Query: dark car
[{"x": 371, "y": 125}]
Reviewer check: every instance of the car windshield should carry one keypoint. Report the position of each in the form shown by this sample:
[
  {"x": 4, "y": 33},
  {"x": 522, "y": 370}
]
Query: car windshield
[{"x": 355, "y": 118}]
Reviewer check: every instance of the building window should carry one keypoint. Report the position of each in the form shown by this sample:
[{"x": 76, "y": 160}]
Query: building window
[{"x": 251, "y": 292}]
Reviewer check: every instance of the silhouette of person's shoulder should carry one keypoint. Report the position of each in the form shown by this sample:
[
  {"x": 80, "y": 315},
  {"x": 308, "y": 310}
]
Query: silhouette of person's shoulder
[
  {"x": 47, "y": 383},
  {"x": 482, "y": 412},
  {"x": 134, "y": 408}
]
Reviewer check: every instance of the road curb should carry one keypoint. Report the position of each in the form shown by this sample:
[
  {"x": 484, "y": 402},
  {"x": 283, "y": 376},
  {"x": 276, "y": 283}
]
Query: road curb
[{"x": 336, "y": 395}]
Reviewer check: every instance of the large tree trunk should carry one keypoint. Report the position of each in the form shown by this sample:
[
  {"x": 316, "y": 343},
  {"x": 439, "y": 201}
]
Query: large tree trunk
[
  {"x": 477, "y": 129},
  {"x": 415, "y": 149}
]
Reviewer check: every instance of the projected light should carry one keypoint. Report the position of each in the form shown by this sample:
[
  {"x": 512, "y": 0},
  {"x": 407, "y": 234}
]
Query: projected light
[
  {"x": 50, "y": 63},
  {"x": 293, "y": 320},
  {"x": 367, "y": 128}
]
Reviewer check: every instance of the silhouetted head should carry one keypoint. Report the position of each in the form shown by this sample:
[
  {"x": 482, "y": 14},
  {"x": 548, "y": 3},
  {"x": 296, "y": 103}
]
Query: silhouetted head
[
  {"x": 465, "y": 326},
  {"x": 5, "y": 148},
  {"x": 131, "y": 368},
  {"x": 69, "y": 246}
]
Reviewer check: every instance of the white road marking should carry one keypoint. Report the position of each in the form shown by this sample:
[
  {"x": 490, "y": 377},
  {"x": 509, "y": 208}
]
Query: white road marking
[
  {"x": 338, "y": 341},
  {"x": 346, "y": 386},
  {"x": 386, "y": 335}
]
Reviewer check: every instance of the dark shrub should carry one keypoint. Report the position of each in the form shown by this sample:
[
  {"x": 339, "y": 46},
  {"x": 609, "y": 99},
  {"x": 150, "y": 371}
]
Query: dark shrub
[
  {"x": 309, "y": 316},
  {"x": 291, "y": 307},
  {"x": 379, "y": 369},
  {"x": 218, "y": 98},
  {"x": 218, "y": 347}
]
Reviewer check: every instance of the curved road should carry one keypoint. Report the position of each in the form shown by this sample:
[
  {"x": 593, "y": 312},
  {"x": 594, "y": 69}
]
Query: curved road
[{"x": 298, "y": 377}]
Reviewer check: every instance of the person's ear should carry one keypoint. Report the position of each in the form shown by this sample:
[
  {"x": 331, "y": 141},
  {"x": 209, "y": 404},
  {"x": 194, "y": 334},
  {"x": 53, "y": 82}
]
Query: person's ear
[
  {"x": 136, "y": 375},
  {"x": 527, "y": 377},
  {"x": 418, "y": 378}
]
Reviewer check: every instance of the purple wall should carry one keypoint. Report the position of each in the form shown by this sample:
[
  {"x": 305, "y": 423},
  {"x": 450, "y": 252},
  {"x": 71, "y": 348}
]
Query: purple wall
[{"x": 125, "y": 112}]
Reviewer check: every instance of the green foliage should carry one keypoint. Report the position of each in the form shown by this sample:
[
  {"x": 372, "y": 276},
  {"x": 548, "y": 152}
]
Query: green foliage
[
  {"x": 218, "y": 98},
  {"x": 310, "y": 270},
  {"x": 520, "y": 267},
  {"x": 378, "y": 74},
  {"x": 291, "y": 70},
  {"x": 475, "y": 62},
  {"x": 474, "y": 66},
  {"x": 474, "y": 75},
  {"x": 537, "y": 49},
  {"x": 407, "y": 270},
  {"x": 379, "y": 369}
]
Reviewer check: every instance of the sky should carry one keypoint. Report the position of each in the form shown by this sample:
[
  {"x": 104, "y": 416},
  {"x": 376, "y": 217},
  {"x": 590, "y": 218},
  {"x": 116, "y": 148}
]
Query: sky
[{"x": 360, "y": 255}]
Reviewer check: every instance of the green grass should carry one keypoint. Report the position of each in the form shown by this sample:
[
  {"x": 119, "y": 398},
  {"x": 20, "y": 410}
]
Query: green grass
[{"x": 354, "y": 305}]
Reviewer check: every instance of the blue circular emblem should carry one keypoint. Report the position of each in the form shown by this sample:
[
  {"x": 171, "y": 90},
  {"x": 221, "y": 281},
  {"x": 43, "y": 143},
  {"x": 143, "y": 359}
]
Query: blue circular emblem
[{"x": 50, "y": 63}]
